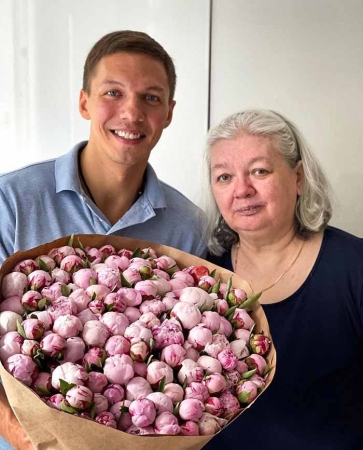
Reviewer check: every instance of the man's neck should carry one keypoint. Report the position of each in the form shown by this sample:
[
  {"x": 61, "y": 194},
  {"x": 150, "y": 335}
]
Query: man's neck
[{"x": 113, "y": 190}]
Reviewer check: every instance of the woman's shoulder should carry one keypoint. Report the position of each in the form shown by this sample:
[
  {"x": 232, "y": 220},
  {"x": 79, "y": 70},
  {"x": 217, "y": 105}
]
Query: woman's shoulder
[
  {"x": 223, "y": 260},
  {"x": 344, "y": 245}
]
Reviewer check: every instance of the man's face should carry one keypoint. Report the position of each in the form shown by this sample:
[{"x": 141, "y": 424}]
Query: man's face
[{"x": 128, "y": 106}]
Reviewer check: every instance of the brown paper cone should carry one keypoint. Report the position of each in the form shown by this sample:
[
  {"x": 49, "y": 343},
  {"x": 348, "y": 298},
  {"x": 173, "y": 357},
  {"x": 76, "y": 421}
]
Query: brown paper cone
[{"x": 50, "y": 429}]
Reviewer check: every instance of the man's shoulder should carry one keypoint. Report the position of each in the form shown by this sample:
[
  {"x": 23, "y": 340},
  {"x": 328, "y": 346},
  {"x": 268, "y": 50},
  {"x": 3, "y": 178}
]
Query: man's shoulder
[
  {"x": 175, "y": 199},
  {"x": 35, "y": 172}
]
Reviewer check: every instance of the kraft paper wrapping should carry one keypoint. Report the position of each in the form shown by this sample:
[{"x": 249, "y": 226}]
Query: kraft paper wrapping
[{"x": 50, "y": 429}]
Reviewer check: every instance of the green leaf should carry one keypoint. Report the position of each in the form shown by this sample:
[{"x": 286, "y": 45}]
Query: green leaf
[
  {"x": 42, "y": 303},
  {"x": 267, "y": 369},
  {"x": 87, "y": 367},
  {"x": 110, "y": 306},
  {"x": 94, "y": 295},
  {"x": 43, "y": 266},
  {"x": 39, "y": 354},
  {"x": 248, "y": 374},
  {"x": 228, "y": 288},
  {"x": 176, "y": 409},
  {"x": 150, "y": 359},
  {"x": 92, "y": 411},
  {"x": 229, "y": 313},
  {"x": 67, "y": 408},
  {"x": 124, "y": 409},
  {"x": 185, "y": 384},
  {"x": 162, "y": 384},
  {"x": 43, "y": 390},
  {"x": 203, "y": 307},
  {"x": 215, "y": 288},
  {"x": 146, "y": 254},
  {"x": 136, "y": 253},
  {"x": 80, "y": 245},
  {"x": 64, "y": 290},
  {"x": 70, "y": 240},
  {"x": 151, "y": 344},
  {"x": 250, "y": 302},
  {"x": 64, "y": 386},
  {"x": 213, "y": 273},
  {"x": 124, "y": 282},
  {"x": 20, "y": 329},
  {"x": 172, "y": 270}
]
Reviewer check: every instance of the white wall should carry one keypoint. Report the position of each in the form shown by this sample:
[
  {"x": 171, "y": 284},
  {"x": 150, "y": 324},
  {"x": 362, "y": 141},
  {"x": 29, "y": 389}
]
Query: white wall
[
  {"x": 303, "y": 59},
  {"x": 43, "y": 48},
  {"x": 300, "y": 58}
]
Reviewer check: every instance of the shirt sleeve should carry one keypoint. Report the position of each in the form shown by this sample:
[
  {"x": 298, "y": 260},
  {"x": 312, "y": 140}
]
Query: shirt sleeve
[{"x": 7, "y": 229}]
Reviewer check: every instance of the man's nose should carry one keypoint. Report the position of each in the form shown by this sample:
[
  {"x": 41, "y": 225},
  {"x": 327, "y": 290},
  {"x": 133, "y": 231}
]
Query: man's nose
[
  {"x": 243, "y": 188},
  {"x": 131, "y": 109}
]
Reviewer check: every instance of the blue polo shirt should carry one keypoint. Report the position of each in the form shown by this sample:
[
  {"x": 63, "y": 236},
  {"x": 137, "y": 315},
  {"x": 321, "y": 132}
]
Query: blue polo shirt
[{"x": 45, "y": 201}]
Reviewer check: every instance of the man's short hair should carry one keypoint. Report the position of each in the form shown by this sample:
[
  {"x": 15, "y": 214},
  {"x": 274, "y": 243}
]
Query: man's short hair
[{"x": 130, "y": 42}]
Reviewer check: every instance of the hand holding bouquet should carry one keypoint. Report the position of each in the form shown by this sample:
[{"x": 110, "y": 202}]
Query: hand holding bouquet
[{"x": 140, "y": 338}]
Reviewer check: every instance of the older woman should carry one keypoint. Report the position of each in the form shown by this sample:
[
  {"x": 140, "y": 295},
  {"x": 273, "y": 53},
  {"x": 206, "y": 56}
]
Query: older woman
[{"x": 268, "y": 217}]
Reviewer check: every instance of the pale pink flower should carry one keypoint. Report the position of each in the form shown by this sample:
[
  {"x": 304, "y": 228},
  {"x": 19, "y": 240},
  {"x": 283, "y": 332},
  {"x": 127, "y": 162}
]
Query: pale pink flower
[
  {"x": 53, "y": 292},
  {"x": 30, "y": 300},
  {"x": 96, "y": 382},
  {"x": 13, "y": 304},
  {"x": 137, "y": 332},
  {"x": 80, "y": 299},
  {"x": 14, "y": 283},
  {"x": 116, "y": 323},
  {"x": 94, "y": 254},
  {"x": 239, "y": 347},
  {"x": 143, "y": 412},
  {"x": 177, "y": 285},
  {"x": 95, "y": 333},
  {"x": 140, "y": 369},
  {"x": 22, "y": 367},
  {"x": 173, "y": 355},
  {"x": 30, "y": 347},
  {"x": 259, "y": 381},
  {"x": 212, "y": 320},
  {"x": 236, "y": 296},
  {"x": 43, "y": 384},
  {"x": 132, "y": 313},
  {"x": 97, "y": 291},
  {"x": 69, "y": 372},
  {"x": 86, "y": 316},
  {"x": 209, "y": 424},
  {"x": 106, "y": 418},
  {"x": 165, "y": 262},
  {"x": 125, "y": 421},
  {"x": 107, "y": 250},
  {"x": 10, "y": 344},
  {"x": 67, "y": 326},
  {"x": 215, "y": 383},
  {"x": 44, "y": 317},
  {"x": 79, "y": 397},
  {"x": 197, "y": 390},
  {"x": 60, "y": 276},
  {"x": 161, "y": 401},
  {"x": 75, "y": 349},
  {"x": 119, "y": 369},
  {"x": 100, "y": 403},
  {"x": 242, "y": 367},
  {"x": 174, "y": 391},
  {"x": 259, "y": 343},
  {"x": 110, "y": 278},
  {"x": 27, "y": 266},
  {"x": 95, "y": 356},
  {"x": 85, "y": 277},
  {"x": 228, "y": 359},
  {"x": 209, "y": 364},
  {"x": 72, "y": 264},
  {"x": 189, "y": 428},
  {"x": 190, "y": 371},
  {"x": 199, "y": 336},
  {"x": 53, "y": 345},
  {"x": 156, "y": 371},
  {"x": 225, "y": 328},
  {"x": 47, "y": 260},
  {"x": 114, "y": 393},
  {"x": 154, "y": 306},
  {"x": 117, "y": 262},
  {"x": 213, "y": 405},
  {"x": 55, "y": 401},
  {"x": 198, "y": 297},
  {"x": 131, "y": 296},
  {"x": 39, "y": 279},
  {"x": 9, "y": 321},
  {"x": 169, "y": 301},
  {"x": 185, "y": 277},
  {"x": 139, "y": 431},
  {"x": 188, "y": 314},
  {"x": 162, "y": 285},
  {"x": 61, "y": 306},
  {"x": 191, "y": 409},
  {"x": 191, "y": 352},
  {"x": 241, "y": 333},
  {"x": 166, "y": 423},
  {"x": 132, "y": 275},
  {"x": 139, "y": 351},
  {"x": 149, "y": 320},
  {"x": 137, "y": 388},
  {"x": 230, "y": 403},
  {"x": 115, "y": 302},
  {"x": 61, "y": 252},
  {"x": 117, "y": 345},
  {"x": 161, "y": 274},
  {"x": 33, "y": 328},
  {"x": 257, "y": 362},
  {"x": 241, "y": 319},
  {"x": 115, "y": 409},
  {"x": 221, "y": 306},
  {"x": 246, "y": 391},
  {"x": 97, "y": 307}
]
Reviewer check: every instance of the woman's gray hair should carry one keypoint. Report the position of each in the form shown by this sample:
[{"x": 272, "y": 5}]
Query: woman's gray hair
[{"x": 313, "y": 208}]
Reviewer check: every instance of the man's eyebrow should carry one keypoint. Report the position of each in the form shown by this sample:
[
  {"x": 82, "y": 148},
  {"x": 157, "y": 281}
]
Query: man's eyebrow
[{"x": 154, "y": 87}]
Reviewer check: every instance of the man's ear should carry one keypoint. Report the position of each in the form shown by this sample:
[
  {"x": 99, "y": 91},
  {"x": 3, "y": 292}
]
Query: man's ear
[
  {"x": 170, "y": 114},
  {"x": 83, "y": 105},
  {"x": 300, "y": 177}
]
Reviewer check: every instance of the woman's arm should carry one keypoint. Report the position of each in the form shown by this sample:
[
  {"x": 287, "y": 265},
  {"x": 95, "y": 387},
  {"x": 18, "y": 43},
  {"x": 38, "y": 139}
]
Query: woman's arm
[{"x": 10, "y": 428}]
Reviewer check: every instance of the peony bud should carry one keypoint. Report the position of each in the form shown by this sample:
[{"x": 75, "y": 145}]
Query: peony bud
[
  {"x": 143, "y": 412},
  {"x": 166, "y": 423},
  {"x": 137, "y": 388}
]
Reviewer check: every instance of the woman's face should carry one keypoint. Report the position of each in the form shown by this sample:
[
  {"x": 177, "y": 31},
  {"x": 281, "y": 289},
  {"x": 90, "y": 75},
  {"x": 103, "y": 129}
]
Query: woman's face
[{"x": 254, "y": 187}]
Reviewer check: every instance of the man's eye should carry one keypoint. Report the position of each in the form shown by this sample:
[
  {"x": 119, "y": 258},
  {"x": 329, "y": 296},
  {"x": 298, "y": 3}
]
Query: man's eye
[
  {"x": 112, "y": 93},
  {"x": 152, "y": 98}
]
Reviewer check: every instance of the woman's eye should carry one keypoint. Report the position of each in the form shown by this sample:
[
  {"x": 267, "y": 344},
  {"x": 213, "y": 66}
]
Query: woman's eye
[
  {"x": 260, "y": 172},
  {"x": 224, "y": 177}
]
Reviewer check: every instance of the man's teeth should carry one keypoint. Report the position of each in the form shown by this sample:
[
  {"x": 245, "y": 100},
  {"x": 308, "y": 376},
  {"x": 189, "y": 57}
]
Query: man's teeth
[{"x": 126, "y": 135}]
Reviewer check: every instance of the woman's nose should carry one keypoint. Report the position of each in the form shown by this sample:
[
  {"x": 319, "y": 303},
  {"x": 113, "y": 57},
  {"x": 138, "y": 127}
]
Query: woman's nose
[{"x": 243, "y": 188}]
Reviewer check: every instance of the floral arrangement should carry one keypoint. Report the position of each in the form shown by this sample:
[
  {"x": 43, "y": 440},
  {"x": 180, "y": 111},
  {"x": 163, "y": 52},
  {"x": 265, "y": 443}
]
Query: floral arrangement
[{"x": 132, "y": 339}]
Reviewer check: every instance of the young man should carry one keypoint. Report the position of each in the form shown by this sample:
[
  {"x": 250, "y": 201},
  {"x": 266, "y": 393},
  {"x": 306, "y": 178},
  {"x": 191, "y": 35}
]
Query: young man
[{"x": 104, "y": 185}]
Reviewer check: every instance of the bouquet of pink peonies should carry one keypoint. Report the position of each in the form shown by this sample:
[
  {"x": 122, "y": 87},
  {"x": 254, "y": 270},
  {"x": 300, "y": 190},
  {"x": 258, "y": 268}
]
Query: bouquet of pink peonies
[{"x": 156, "y": 344}]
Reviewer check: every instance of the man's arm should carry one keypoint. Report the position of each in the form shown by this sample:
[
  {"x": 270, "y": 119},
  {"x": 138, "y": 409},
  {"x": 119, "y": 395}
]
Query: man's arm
[{"x": 10, "y": 428}]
